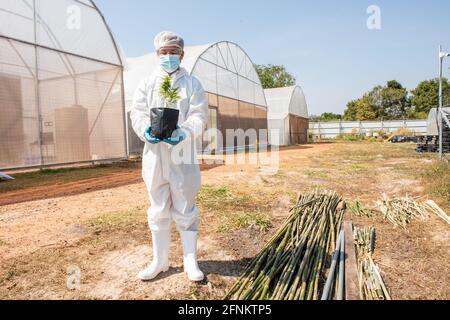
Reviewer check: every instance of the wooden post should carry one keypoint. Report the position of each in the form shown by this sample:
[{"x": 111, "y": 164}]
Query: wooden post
[{"x": 351, "y": 266}]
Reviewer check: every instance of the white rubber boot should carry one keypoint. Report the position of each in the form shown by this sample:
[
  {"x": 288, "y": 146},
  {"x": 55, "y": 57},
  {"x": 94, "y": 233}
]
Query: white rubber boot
[
  {"x": 161, "y": 248},
  {"x": 189, "y": 240}
]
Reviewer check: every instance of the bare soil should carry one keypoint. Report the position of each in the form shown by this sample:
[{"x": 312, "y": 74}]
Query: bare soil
[
  {"x": 97, "y": 228},
  {"x": 108, "y": 180}
]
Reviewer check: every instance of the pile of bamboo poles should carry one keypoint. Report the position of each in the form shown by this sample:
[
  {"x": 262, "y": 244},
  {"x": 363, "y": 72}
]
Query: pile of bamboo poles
[
  {"x": 359, "y": 210},
  {"x": 336, "y": 275},
  {"x": 371, "y": 284},
  {"x": 292, "y": 265},
  {"x": 401, "y": 211}
]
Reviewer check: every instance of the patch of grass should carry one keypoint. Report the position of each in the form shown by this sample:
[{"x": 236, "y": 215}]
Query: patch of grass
[
  {"x": 133, "y": 217},
  {"x": 214, "y": 192},
  {"x": 212, "y": 198},
  {"x": 359, "y": 168},
  {"x": 280, "y": 174},
  {"x": 222, "y": 199},
  {"x": 315, "y": 174},
  {"x": 245, "y": 220},
  {"x": 366, "y": 152},
  {"x": 437, "y": 178}
]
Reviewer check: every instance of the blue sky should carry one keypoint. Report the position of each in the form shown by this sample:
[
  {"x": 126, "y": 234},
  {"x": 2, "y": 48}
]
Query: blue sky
[{"x": 325, "y": 44}]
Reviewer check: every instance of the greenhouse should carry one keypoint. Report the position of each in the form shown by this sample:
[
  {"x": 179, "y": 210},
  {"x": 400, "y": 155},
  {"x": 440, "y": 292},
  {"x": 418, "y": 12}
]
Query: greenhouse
[
  {"x": 288, "y": 116},
  {"x": 433, "y": 121},
  {"x": 236, "y": 97},
  {"x": 61, "y": 85}
]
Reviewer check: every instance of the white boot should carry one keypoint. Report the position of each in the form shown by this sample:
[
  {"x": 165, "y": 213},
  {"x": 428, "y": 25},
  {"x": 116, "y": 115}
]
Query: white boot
[
  {"x": 161, "y": 248},
  {"x": 189, "y": 240}
]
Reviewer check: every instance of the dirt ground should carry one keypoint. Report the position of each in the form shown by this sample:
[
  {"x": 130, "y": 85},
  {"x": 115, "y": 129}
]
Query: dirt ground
[
  {"x": 91, "y": 243},
  {"x": 68, "y": 182}
]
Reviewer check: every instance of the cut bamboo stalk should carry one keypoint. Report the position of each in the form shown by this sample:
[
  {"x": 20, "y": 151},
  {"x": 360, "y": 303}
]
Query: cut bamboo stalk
[
  {"x": 341, "y": 287},
  {"x": 291, "y": 265},
  {"x": 439, "y": 212},
  {"x": 327, "y": 290}
]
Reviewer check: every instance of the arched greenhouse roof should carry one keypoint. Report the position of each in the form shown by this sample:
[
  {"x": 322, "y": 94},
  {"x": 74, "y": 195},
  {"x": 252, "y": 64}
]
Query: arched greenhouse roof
[
  {"x": 432, "y": 121},
  {"x": 285, "y": 101},
  {"x": 223, "y": 68},
  {"x": 74, "y": 27},
  {"x": 61, "y": 88}
]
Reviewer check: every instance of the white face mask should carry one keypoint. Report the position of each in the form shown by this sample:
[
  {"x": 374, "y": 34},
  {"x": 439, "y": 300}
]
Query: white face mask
[{"x": 170, "y": 62}]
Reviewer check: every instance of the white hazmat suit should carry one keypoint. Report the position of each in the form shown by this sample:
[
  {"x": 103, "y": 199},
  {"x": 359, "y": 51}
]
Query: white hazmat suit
[{"x": 172, "y": 186}]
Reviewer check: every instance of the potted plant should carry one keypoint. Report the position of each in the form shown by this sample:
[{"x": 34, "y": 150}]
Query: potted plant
[{"x": 164, "y": 120}]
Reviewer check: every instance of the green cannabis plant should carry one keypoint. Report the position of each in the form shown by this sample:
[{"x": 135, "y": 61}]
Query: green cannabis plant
[{"x": 169, "y": 94}]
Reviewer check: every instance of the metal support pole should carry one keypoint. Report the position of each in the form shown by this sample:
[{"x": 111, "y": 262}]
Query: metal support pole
[
  {"x": 125, "y": 116},
  {"x": 439, "y": 115},
  {"x": 36, "y": 83}
]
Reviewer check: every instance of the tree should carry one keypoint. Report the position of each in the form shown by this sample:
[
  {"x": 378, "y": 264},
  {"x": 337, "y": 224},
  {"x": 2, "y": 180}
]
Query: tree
[
  {"x": 350, "y": 112},
  {"x": 389, "y": 102},
  {"x": 360, "y": 110},
  {"x": 426, "y": 96},
  {"x": 326, "y": 117},
  {"x": 274, "y": 76},
  {"x": 394, "y": 84},
  {"x": 395, "y": 102},
  {"x": 364, "y": 109}
]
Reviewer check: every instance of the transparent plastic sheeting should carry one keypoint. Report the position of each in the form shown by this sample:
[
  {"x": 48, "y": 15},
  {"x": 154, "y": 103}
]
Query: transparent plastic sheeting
[
  {"x": 223, "y": 68},
  {"x": 432, "y": 122},
  {"x": 288, "y": 113},
  {"x": 70, "y": 26},
  {"x": 226, "y": 70},
  {"x": 236, "y": 96},
  {"x": 61, "y": 96},
  {"x": 282, "y": 102},
  {"x": 281, "y": 127}
]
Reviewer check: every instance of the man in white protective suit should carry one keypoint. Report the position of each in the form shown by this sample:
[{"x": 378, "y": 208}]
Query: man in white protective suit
[{"x": 172, "y": 182}]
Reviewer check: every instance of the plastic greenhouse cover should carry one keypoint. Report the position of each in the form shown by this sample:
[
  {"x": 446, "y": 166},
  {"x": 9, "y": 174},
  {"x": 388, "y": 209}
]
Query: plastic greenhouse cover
[
  {"x": 71, "y": 26},
  {"x": 432, "y": 121},
  {"x": 214, "y": 64},
  {"x": 284, "y": 101}
]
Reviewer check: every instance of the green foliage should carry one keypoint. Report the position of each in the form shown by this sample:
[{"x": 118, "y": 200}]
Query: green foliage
[
  {"x": 274, "y": 76},
  {"x": 394, "y": 102},
  {"x": 169, "y": 94},
  {"x": 326, "y": 117},
  {"x": 365, "y": 110},
  {"x": 390, "y": 102},
  {"x": 350, "y": 137},
  {"x": 426, "y": 96},
  {"x": 350, "y": 112}
]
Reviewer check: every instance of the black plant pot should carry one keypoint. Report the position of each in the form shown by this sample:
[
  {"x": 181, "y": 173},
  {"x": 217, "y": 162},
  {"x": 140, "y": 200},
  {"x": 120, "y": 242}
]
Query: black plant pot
[{"x": 164, "y": 122}]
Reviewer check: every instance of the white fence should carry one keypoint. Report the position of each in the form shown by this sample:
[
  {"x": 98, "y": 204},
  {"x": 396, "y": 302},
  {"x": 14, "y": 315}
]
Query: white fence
[{"x": 330, "y": 130}]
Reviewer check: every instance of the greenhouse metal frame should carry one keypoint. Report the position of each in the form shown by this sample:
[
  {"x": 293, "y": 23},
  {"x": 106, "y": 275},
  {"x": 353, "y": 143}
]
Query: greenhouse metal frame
[
  {"x": 236, "y": 96},
  {"x": 61, "y": 85}
]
